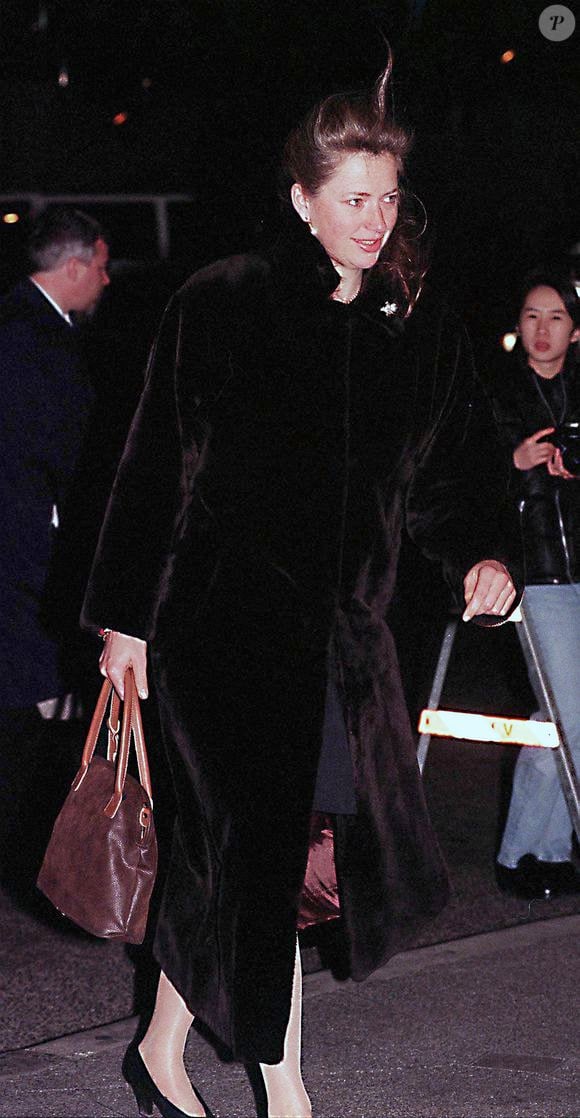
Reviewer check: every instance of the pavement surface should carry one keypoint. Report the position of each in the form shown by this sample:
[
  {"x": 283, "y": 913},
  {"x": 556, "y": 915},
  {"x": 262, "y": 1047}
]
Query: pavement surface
[
  {"x": 485, "y": 1027},
  {"x": 479, "y": 1019}
]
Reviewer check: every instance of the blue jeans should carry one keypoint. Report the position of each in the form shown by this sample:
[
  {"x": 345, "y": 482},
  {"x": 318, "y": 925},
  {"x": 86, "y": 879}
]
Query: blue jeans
[{"x": 538, "y": 820}]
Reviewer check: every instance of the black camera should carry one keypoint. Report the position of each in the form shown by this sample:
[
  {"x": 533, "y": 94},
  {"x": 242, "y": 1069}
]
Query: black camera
[{"x": 567, "y": 439}]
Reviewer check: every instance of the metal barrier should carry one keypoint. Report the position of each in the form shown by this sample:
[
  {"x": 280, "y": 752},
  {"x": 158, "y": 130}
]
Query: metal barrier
[{"x": 478, "y": 727}]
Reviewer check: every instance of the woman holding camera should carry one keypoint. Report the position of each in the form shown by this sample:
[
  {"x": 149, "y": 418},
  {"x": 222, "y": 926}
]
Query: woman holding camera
[{"x": 538, "y": 411}]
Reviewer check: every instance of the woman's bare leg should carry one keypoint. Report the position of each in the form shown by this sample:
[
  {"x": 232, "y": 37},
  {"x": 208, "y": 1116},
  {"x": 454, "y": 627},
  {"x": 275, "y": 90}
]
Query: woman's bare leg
[
  {"x": 287, "y": 1096},
  {"x": 163, "y": 1045}
]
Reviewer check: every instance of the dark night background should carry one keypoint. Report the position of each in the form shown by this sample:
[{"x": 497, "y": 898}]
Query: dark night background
[
  {"x": 208, "y": 90},
  {"x": 211, "y": 87}
]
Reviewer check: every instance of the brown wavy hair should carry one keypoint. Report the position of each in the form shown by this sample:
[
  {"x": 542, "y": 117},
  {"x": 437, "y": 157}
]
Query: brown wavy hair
[{"x": 343, "y": 124}]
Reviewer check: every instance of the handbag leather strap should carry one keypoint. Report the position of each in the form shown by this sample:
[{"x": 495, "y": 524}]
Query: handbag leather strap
[
  {"x": 132, "y": 726},
  {"x": 113, "y": 727}
]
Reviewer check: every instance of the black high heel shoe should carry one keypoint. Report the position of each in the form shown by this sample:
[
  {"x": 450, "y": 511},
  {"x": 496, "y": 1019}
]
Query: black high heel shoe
[{"x": 146, "y": 1091}]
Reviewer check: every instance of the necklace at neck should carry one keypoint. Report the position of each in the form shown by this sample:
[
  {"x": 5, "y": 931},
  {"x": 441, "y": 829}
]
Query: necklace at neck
[
  {"x": 559, "y": 396},
  {"x": 337, "y": 298}
]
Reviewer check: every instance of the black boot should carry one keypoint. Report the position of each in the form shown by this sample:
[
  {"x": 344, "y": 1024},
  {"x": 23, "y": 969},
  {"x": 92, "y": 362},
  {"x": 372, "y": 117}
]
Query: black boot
[{"x": 533, "y": 879}]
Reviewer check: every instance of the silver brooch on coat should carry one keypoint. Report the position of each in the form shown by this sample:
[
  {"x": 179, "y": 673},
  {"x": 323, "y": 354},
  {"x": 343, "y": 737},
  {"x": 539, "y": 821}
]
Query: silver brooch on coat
[{"x": 389, "y": 308}]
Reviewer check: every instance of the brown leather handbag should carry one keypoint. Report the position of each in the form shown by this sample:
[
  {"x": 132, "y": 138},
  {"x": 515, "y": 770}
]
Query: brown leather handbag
[{"x": 100, "y": 864}]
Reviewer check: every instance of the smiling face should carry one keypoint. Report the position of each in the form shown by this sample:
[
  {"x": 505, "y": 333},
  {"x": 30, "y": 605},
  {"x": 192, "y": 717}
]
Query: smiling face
[
  {"x": 355, "y": 210},
  {"x": 546, "y": 330}
]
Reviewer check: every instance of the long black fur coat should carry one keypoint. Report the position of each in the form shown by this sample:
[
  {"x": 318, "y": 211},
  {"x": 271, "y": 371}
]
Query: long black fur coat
[{"x": 281, "y": 442}]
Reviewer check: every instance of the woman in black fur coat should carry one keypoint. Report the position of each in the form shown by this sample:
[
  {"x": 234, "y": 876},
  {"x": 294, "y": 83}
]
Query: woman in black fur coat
[{"x": 301, "y": 405}]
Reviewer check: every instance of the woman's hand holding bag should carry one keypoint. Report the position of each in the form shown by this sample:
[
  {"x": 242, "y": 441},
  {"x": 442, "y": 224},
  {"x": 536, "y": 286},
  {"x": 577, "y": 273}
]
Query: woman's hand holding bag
[
  {"x": 121, "y": 652},
  {"x": 100, "y": 864}
]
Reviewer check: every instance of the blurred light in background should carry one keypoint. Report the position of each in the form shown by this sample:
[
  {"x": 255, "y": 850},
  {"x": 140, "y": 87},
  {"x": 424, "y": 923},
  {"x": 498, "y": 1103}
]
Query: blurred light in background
[
  {"x": 508, "y": 341},
  {"x": 508, "y": 56},
  {"x": 120, "y": 118},
  {"x": 11, "y": 218},
  {"x": 63, "y": 78},
  {"x": 41, "y": 23}
]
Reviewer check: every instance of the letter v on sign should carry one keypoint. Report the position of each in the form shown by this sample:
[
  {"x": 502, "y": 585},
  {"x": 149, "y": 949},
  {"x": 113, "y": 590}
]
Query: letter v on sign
[{"x": 485, "y": 727}]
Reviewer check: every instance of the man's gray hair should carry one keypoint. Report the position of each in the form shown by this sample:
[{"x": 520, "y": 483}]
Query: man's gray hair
[{"x": 60, "y": 233}]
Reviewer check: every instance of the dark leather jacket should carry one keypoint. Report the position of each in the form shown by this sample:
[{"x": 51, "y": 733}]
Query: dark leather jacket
[{"x": 548, "y": 508}]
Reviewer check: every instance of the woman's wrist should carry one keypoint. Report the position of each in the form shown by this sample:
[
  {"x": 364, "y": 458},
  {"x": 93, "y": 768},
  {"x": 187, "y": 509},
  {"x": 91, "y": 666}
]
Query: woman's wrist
[{"x": 105, "y": 634}]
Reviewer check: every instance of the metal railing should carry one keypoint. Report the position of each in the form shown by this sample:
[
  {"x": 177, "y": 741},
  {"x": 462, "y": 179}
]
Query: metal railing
[{"x": 36, "y": 202}]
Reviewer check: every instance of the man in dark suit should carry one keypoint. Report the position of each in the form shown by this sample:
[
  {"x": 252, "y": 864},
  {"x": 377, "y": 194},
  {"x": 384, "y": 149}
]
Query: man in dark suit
[{"x": 45, "y": 398}]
